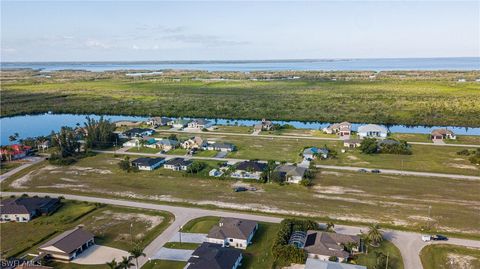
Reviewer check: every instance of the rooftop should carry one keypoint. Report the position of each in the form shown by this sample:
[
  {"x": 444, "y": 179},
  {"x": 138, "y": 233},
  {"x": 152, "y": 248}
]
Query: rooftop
[
  {"x": 233, "y": 228},
  {"x": 70, "y": 240},
  {"x": 213, "y": 256}
]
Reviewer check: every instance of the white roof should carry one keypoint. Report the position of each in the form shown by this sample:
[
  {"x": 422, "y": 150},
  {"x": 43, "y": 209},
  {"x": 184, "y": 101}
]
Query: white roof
[
  {"x": 372, "y": 128},
  {"x": 319, "y": 264}
]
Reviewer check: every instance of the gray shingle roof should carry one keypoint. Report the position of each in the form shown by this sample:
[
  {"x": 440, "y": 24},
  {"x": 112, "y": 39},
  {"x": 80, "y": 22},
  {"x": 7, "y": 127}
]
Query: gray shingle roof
[
  {"x": 233, "y": 228},
  {"x": 213, "y": 256},
  {"x": 328, "y": 244},
  {"x": 147, "y": 161},
  {"x": 25, "y": 205},
  {"x": 70, "y": 240}
]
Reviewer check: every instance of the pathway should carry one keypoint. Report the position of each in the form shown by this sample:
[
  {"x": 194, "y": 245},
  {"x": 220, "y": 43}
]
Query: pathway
[{"x": 33, "y": 160}]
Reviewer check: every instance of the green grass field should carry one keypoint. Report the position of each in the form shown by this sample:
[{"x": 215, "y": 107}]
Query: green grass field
[
  {"x": 444, "y": 256},
  {"x": 426, "y": 102},
  {"x": 348, "y": 197},
  {"x": 178, "y": 245},
  {"x": 109, "y": 224},
  {"x": 259, "y": 253},
  {"x": 144, "y": 150},
  {"x": 160, "y": 264},
  {"x": 200, "y": 225},
  {"x": 386, "y": 247},
  {"x": 7, "y": 166}
]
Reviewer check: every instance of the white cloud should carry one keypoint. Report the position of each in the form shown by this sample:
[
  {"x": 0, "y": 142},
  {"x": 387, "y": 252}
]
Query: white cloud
[{"x": 96, "y": 44}]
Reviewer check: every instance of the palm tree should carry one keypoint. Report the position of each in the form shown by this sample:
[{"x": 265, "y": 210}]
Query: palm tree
[
  {"x": 113, "y": 264},
  {"x": 125, "y": 263},
  {"x": 330, "y": 227},
  {"x": 375, "y": 235},
  {"x": 136, "y": 253}
]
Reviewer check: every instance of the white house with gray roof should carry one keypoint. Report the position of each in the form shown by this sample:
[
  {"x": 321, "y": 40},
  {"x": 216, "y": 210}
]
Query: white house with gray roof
[
  {"x": 233, "y": 232},
  {"x": 372, "y": 131},
  {"x": 291, "y": 173}
]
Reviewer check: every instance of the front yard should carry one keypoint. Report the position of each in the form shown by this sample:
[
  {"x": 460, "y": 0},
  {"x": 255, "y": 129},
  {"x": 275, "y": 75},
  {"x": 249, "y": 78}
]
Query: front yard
[{"x": 444, "y": 256}]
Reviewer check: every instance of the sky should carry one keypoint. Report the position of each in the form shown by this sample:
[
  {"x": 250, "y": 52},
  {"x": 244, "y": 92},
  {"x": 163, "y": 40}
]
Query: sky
[{"x": 162, "y": 31}]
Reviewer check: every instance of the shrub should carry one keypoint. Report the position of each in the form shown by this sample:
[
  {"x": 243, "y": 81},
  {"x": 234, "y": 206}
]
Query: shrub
[{"x": 369, "y": 146}]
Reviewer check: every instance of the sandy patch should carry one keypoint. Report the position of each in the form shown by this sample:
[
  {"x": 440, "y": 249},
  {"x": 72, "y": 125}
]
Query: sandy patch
[
  {"x": 68, "y": 179},
  {"x": 463, "y": 166},
  {"x": 338, "y": 174},
  {"x": 18, "y": 183},
  {"x": 92, "y": 170},
  {"x": 345, "y": 199},
  {"x": 460, "y": 261},
  {"x": 63, "y": 186},
  {"x": 335, "y": 190},
  {"x": 351, "y": 157},
  {"x": 295, "y": 266}
]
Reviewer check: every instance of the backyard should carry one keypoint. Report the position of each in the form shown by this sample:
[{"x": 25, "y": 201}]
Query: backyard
[{"x": 348, "y": 197}]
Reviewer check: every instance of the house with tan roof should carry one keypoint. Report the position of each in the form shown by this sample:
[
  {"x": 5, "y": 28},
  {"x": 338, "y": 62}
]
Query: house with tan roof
[
  {"x": 195, "y": 142},
  {"x": 233, "y": 232},
  {"x": 444, "y": 133},
  {"x": 68, "y": 245},
  {"x": 341, "y": 129}
]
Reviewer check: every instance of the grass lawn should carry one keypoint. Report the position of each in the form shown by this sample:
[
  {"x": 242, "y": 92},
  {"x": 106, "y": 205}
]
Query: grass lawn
[
  {"x": 343, "y": 195},
  {"x": 206, "y": 153},
  {"x": 110, "y": 224},
  {"x": 177, "y": 151},
  {"x": 424, "y": 158},
  {"x": 411, "y": 137},
  {"x": 41, "y": 228},
  {"x": 144, "y": 150},
  {"x": 464, "y": 139},
  {"x": 200, "y": 225},
  {"x": 444, "y": 256},
  {"x": 178, "y": 245},
  {"x": 7, "y": 166},
  {"x": 162, "y": 264},
  {"x": 233, "y": 129},
  {"x": 62, "y": 265},
  {"x": 259, "y": 253},
  {"x": 386, "y": 247}
]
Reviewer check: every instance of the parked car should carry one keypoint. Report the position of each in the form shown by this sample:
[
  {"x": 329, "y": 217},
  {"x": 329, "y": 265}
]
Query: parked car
[
  {"x": 362, "y": 170},
  {"x": 439, "y": 237},
  {"x": 375, "y": 171},
  {"x": 239, "y": 189},
  {"x": 426, "y": 237}
]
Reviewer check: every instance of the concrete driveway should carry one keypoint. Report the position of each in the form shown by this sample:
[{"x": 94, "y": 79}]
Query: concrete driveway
[
  {"x": 173, "y": 254},
  {"x": 100, "y": 255},
  {"x": 189, "y": 238}
]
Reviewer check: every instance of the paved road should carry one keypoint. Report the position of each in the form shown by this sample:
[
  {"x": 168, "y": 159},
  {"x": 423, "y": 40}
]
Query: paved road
[
  {"x": 400, "y": 172},
  {"x": 312, "y": 138},
  {"x": 33, "y": 160},
  {"x": 409, "y": 243},
  {"x": 333, "y": 167}
]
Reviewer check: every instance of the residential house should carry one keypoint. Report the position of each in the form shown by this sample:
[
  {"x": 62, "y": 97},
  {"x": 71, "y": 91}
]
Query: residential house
[
  {"x": 214, "y": 256},
  {"x": 138, "y": 132},
  {"x": 200, "y": 124},
  {"x": 319, "y": 264},
  {"x": 249, "y": 170},
  {"x": 177, "y": 164},
  {"x": 264, "y": 125},
  {"x": 15, "y": 152},
  {"x": 24, "y": 209},
  {"x": 323, "y": 245},
  {"x": 159, "y": 121},
  {"x": 194, "y": 143},
  {"x": 166, "y": 144},
  {"x": 372, "y": 131},
  {"x": 233, "y": 232},
  {"x": 342, "y": 129},
  {"x": 352, "y": 143},
  {"x": 180, "y": 123},
  {"x": 444, "y": 133},
  {"x": 132, "y": 143},
  {"x": 291, "y": 173},
  {"x": 313, "y": 152},
  {"x": 215, "y": 173},
  {"x": 148, "y": 164},
  {"x": 149, "y": 142},
  {"x": 219, "y": 146},
  {"x": 68, "y": 245},
  {"x": 44, "y": 145}
]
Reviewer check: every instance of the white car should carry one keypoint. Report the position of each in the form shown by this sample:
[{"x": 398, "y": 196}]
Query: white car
[{"x": 426, "y": 238}]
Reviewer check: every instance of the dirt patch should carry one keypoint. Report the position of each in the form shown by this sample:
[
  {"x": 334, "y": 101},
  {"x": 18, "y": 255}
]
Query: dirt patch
[
  {"x": 335, "y": 190},
  {"x": 338, "y": 174},
  {"x": 68, "y": 179},
  {"x": 92, "y": 170},
  {"x": 351, "y": 157},
  {"x": 463, "y": 166},
  {"x": 295, "y": 266},
  {"x": 460, "y": 261},
  {"x": 351, "y": 200}
]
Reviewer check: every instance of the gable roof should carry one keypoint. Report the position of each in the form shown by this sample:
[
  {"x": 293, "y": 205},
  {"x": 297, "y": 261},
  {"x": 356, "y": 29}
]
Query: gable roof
[
  {"x": 201, "y": 121},
  {"x": 291, "y": 170},
  {"x": 251, "y": 165},
  {"x": 319, "y": 264},
  {"x": 147, "y": 161},
  {"x": 70, "y": 240},
  {"x": 213, "y": 256},
  {"x": 328, "y": 244},
  {"x": 233, "y": 228},
  {"x": 168, "y": 142},
  {"x": 443, "y": 131}
]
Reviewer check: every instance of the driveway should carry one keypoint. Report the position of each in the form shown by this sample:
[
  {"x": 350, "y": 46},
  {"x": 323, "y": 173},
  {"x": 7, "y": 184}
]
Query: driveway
[
  {"x": 189, "y": 238},
  {"x": 32, "y": 161},
  {"x": 100, "y": 255},
  {"x": 221, "y": 154},
  {"x": 173, "y": 254}
]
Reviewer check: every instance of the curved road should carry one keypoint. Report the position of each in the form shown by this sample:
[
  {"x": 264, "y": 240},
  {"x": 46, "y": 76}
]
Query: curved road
[{"x": 409, "y": 243}]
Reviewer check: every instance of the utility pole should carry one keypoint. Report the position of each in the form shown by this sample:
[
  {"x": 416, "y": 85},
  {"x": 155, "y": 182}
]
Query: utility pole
[
  {"x": 131, "y": 234},
  {"x": 180, "y": 233},
  {"x": 386, "y": 264}
]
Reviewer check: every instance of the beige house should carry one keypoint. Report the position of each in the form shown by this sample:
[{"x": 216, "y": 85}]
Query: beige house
[
  {"x": 233, "y": 232},
  {"x": 264, "y": 125},
  {"x": 352, "y": 143},
  {"x": 195, "y": 142},
  {"x": 291, "y": 173},
  {"x": 68, "y": 245},
  {"x": 440, "y": 134},
  {"x": 341, "y": 129},
  {"x": 323, "y": 245}
]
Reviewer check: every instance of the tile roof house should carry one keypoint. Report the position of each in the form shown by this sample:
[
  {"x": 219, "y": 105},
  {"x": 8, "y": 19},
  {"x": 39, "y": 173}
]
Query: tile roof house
[
  {"x": 233, "y": 232},
  {"x": 342, "y": 129},
  {"x": 178, "y": 164},
  {"x": 138, "y": 132},
  {"x": 15, "y": 151},
  {"x": 372, "y": 131},
  {"x": 200, "y": 124},
  {"x": 219, "y": 146},
  {"x": 180, "y": 123},
  {"x": 249, "y": 169},
  {"x": 68, "y": 245},
  {"x": 264, "y": 125},
  {"x": 313, "y": 152},
  {"x": 444, "y": 133},
  {"x": 24, "y": 209},
  {"x": 195, "y": 142},
  {"x": 148, "y": 164},
  {"x": 319, "y": 264},
  {"x": 323, "y": 245},
  {"x": 158, "y": 121},
  {"x": 166, "y": 144},
  {"x": 291, "y": 173},
  {"x": 214, "y": 256}
]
